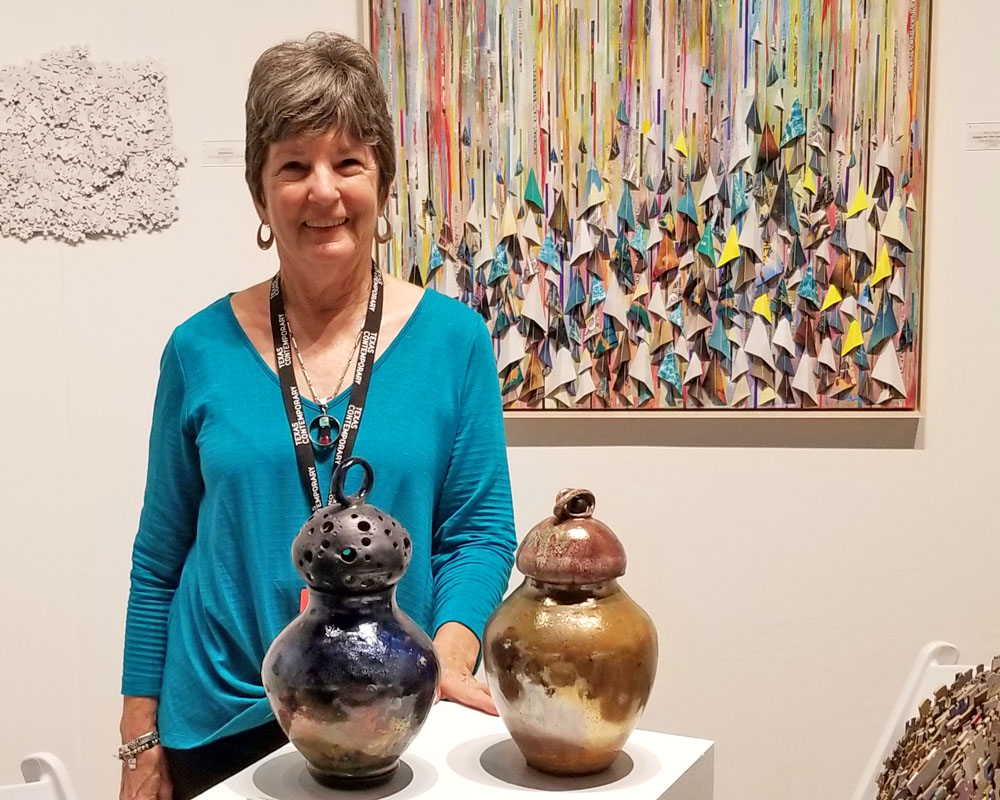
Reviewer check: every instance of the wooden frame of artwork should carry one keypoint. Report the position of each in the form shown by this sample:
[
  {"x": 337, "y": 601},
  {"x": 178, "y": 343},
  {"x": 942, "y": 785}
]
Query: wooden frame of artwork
[{"x": 669, "y": 205}]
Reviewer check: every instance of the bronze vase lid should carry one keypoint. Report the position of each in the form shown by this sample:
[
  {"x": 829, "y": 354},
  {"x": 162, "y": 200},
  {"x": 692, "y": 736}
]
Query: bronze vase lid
[{"x": 571, "y": 547}]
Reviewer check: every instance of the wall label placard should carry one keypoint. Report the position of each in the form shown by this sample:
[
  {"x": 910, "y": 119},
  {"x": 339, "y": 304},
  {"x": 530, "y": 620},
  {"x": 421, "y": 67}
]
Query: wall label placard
[{"x": 982, "y": 136}]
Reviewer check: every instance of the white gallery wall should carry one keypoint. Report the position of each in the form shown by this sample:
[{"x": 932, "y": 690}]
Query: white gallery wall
[{"x": 791, "y": 585}]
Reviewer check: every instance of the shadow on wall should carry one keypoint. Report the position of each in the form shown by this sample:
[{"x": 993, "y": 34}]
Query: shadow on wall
[{"x": 873, "y": 431}]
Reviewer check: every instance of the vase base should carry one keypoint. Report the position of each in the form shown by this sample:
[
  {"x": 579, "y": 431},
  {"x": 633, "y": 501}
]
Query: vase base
[{"x": 333, "y": 780}]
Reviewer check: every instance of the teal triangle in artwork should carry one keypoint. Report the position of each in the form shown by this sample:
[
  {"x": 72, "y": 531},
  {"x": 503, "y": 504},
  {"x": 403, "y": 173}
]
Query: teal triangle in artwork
[
  {"x": 639, "y": 240},
  {"x": 608, "y": 340},
  {"x": 626, "y": 275},
  {"x": 532, "y": 194},
  {"x": 740, "y": 203},
  {"x": 577, "y": 294},
  {"x": 500, "y": 267},
  {"x": 593, "y": 178},
  {"x": 547, "y": 254},
  {"x": 668, "y": 370},
  {"x": 435, "y": 260},
  {"x": 677, "y": 316},
  {"x": 573, "y": 330},
  {"x": 502, "y": 323},
  {"x": 798, "y": 254},
  {"x": 597, "y": 293},
  {"x": 807, "y": 288},
  {"x": 707, "y": 244},
  {"x": 718, "y": 341},
  {"x": 861, "y": 358},
  {"x": 795, "y": 126},
  {"x": 625, "y": 212},
  {"x": 638, "y": 314},
  {"x": 622, "y": 116},
  {"x": 518, "y": 168},
  {"x": 686, "y": 205},
  {"x": 772, "y": 76},
  {"x": 791, "y": 216},
  {"x": 706, "y": 78},
  {"x": 781, "y": 298},
  {"x": 885, "y": 324}
]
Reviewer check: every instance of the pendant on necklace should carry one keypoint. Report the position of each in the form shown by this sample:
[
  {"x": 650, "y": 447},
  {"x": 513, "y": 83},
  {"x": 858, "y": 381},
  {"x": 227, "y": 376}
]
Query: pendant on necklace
[{"x": 323, "y": 430}]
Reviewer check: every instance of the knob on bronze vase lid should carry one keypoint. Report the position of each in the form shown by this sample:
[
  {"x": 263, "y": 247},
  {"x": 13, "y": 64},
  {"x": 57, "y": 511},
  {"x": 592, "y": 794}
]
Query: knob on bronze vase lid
[
  {"x": 352, "y": 678},
  {"x": 569, "y": 656}
]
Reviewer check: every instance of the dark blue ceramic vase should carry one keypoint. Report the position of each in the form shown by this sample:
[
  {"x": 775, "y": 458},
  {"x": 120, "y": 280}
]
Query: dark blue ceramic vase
[{"x": 352, "y": 678}]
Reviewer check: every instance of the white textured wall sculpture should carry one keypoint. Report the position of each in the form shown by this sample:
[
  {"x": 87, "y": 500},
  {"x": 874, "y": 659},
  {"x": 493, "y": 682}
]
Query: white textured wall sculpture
[{"x": 86, "y": 149}]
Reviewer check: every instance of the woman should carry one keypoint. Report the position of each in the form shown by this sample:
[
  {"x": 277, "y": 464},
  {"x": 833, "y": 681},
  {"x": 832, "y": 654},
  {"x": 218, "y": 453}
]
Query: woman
[{"x": 212, "y": 578}]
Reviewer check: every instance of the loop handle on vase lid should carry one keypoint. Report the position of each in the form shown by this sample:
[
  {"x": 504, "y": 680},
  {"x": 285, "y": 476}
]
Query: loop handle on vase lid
[
  {"x": 340, "y": 475},
  {"x": 574, "y": 503}
]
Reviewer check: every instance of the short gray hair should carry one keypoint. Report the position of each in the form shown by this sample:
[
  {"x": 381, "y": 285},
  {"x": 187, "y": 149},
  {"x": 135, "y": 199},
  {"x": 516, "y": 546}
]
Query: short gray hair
[{"x": 326, "y": 82}]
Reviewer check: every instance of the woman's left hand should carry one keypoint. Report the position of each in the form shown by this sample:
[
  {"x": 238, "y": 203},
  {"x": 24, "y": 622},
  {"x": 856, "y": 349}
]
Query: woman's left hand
[{"x": 457, "y": 648}]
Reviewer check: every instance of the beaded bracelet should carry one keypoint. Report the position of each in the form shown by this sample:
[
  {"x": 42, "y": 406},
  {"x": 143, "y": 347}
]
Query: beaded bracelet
[{"x": 128, "y": 751}]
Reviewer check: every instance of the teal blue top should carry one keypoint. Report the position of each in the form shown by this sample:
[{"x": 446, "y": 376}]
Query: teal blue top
[{"x": 212, "y": 576}]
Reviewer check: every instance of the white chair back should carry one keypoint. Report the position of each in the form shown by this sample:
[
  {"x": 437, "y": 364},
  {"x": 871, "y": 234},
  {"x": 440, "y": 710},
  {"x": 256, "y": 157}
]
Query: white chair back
[
  {"x": 45, "y": 778},
  {"x": 936, "y": 665}
]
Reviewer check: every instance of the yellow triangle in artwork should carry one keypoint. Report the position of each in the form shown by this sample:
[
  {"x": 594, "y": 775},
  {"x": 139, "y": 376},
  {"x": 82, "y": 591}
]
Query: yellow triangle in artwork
[
  {"x": 853, "y": 338},
  {"x": 809, "y": 182},
  {"x": 762, "y": 306},
  {"x": 508, "y": 225},
  {"x": 859, "y": 203},
  {"x": 732, "y": 249},
  {"x": 646, "y": 127},
  {"x": 883, "y": 269},
  {"x": 833, "y": 296},
  {"x": 766, "y": 396},
  {"x": 681, "y": 145}
]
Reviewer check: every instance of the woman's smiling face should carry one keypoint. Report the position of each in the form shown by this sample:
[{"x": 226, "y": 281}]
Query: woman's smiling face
[{"x": 321, "y": 200}]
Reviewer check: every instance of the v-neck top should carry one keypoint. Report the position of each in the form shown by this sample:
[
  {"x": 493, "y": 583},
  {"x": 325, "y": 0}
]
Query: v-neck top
[{"x": 212, "y": 579}]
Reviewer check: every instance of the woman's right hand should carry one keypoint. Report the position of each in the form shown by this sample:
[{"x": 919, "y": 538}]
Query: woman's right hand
[{"x": 149, "y": 780}]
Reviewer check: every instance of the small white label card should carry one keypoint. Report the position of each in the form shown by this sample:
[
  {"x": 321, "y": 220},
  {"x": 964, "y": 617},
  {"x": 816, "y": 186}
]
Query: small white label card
[
  {"x": 982, "y": 136},
  {"x": 222, "y": 153}
]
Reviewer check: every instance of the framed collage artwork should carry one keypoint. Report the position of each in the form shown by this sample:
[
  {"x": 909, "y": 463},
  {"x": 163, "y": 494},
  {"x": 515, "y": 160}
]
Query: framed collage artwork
[{"x": 668, "y": 204}]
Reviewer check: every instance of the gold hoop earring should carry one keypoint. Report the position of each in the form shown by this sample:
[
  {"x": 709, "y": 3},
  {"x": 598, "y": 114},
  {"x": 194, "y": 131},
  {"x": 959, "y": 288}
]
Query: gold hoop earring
[
  {"x": 383, "y": 238},
  {"x": 262, "y": 243}
]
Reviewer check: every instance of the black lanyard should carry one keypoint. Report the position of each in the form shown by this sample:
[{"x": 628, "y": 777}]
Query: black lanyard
[{"x": 290, "y": 391}]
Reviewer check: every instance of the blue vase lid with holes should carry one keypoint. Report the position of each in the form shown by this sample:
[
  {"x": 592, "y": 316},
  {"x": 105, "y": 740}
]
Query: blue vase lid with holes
[{"x": 351, "y": 547}]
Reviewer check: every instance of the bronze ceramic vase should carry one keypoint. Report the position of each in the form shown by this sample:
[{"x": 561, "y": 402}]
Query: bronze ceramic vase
[
  {"x": 352, "y": 678},
  {"x": 569, "y": 656}
]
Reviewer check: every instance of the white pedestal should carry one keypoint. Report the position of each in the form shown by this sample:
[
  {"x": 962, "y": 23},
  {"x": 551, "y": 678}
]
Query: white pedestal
[{"x": 464, "y": 754}]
